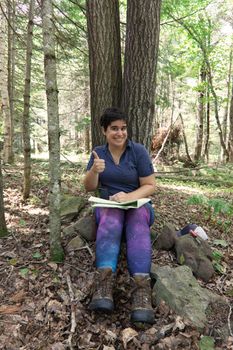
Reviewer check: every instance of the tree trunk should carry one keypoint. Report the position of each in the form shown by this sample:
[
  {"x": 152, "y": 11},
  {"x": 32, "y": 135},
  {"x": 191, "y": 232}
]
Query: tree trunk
[
  {"x": 11, "y": 68},
  {"x": 8, "y": 137},
  {"x": 104, "y": 60},
  {"x": 230, "y": 138},
  {"x": 56, "y": 250},
  {"x": 26, "y": 106},
  {"x": 86, "y": 110},
  {"x": 200, "y": 115},
  {"x": 185, "y": 140},
  {"x": 207, "y": 133},
  {"x": 226, "y": 112},
  {"x": 216, "y": 107},
  {"x": 3, "y": 228},
  {"x": 141, "y": 51}
]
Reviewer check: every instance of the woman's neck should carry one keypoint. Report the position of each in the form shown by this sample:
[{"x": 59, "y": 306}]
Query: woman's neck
[{"x": 116, "y": 150}]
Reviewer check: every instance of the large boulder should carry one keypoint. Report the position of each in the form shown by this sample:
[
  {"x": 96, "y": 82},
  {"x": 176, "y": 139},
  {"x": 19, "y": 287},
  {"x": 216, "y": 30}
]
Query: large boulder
[
  {"x": 85, "y": 227},
  {"x": 71, "y": 206},
  {"x": 194, "y": 252},
  {"x": 182, "y": 292}
]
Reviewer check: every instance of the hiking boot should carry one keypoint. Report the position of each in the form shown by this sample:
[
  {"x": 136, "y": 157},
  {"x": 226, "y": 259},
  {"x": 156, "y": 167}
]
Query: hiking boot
[
  {"x": 141, "y": 300},
  {"x": 102, "y": 299}
]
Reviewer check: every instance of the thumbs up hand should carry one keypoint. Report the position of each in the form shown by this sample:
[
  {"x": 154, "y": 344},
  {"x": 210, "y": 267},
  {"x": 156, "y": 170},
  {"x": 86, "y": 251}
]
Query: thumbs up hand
[{"x": 98, "y": 165}]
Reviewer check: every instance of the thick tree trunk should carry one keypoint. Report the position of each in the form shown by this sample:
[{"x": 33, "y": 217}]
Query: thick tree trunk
[
  {"x": 56, "y": 250},
  {"x": 86, "y": 110},
  {"x": 26, "y": 106},
  {"x": 104, "y": 60},
  {"x": 141, "y": 51},
  {"x": 200, "y": 115},
  {"x": 8, "y": 136}
]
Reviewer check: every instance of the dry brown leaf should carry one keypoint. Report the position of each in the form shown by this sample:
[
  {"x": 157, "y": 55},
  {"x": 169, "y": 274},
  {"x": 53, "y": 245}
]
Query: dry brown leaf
[
  {"x": 9, "y": 309},
  {"x": 108, "y": 347},
  {"x": 179, "y": 324},
  {"x": 110, "y": 336},
  {"x": 127, "y": 335},
  {"x": 18, "y": 297}
]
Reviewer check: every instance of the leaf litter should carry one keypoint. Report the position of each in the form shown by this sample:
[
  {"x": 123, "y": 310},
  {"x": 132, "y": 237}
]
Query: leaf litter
[{"x": 44, "y": 305}]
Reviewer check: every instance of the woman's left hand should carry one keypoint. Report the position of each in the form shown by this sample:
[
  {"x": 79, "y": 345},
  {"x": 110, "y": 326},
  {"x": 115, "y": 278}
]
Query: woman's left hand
[{"x": 119, "y": 197}]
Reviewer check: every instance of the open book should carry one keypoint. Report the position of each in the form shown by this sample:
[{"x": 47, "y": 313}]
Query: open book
[{"x": 105, "y": 203}]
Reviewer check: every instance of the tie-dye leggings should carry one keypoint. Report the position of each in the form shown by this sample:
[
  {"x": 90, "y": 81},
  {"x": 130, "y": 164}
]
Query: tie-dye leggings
[{"x": 135, "y": 223}]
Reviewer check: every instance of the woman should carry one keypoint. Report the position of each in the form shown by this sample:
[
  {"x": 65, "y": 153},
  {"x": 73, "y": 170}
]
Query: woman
[{"x": 122, "y": 171}]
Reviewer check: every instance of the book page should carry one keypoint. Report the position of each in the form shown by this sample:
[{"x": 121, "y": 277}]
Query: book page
[{"x": 105, "y": 203}]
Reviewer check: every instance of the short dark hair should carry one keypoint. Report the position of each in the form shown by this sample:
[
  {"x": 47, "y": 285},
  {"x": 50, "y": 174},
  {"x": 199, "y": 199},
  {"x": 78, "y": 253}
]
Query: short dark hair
[{"x": 110, "y": 115}]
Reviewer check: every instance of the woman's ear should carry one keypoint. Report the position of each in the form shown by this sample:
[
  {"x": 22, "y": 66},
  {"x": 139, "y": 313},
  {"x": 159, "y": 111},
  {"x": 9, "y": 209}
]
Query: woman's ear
[{"x": 103, "y": 131}]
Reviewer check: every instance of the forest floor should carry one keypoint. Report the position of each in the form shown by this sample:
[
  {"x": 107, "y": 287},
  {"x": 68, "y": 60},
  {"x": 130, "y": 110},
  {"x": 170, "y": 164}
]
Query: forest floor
[{"x": 44, "y": 305}]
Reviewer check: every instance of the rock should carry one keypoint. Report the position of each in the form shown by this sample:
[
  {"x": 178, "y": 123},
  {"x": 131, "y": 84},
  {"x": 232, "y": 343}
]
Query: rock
[
  {"x": 71, "y": 205},
  {"x": 85, "y": 226},
  {"x": 75, "y": 244},
  {"x": 193, "y": 252},
  {"x": 197, "y": 254},
  {"x": 182, "y": 292}
]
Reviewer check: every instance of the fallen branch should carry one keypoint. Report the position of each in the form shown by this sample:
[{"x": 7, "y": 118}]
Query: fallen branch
[
  {"x": 73, "y": 319},
  {"x": 229, "y": 321},
  {"x": 77, "y": 268}
]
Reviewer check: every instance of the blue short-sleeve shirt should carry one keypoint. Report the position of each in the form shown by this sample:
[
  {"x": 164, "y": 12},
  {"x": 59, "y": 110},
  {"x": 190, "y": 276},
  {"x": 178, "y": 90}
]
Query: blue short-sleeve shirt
[{"x": 135, "y": 162}]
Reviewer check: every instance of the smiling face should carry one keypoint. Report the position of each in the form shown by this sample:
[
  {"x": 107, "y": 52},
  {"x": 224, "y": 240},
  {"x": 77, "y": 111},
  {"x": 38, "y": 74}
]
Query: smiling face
[{"x": 116, "y": 133}]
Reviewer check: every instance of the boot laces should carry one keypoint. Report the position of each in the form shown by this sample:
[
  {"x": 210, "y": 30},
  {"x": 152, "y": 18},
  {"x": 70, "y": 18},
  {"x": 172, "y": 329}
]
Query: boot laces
[
  {"x": 104, "y": 282},
  {"x": 141, "y": 291}
]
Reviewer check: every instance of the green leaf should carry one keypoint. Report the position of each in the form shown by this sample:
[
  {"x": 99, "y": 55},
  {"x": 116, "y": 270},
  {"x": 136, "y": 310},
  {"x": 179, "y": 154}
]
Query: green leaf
[
  {"x": 181, "y": 259},
  {"x": 13, "y": 261},
  {"x": 206, "y": 343},
  {"x": 217, "y": 256},
  {"x": 22, "y": 222},
  {"x": 24, "y": 272},
  {"x": 221, "y": 242},
  {"x": 37, "y": 255},
  {"x": 218, "y": 268}
]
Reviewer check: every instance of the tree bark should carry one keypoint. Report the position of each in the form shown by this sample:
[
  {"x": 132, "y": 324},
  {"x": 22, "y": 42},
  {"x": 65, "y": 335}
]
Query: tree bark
[
  {"x": 3, "y": 228},
  {"x": 104, "y": 60},
  {"x": 11, "y": 68},
  {"x": 141, "y": 52},
  {"x": 207, "y": 132},
  {"x": 8, "y": 136},
  {"x": 185, "y": 140},
  {"x": 230, "y": 138},
  {"x": 56, "y": 250},
  {"x": 200, "y": 115},
  {"x": 26, "y": 106}
]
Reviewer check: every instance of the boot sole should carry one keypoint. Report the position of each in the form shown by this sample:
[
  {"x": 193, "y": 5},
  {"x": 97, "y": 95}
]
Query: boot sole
[
  {"x": 145, "y": 316},
  {"x": 104, "y": 305}
]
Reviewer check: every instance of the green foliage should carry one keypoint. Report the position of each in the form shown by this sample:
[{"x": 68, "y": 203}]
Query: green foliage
[
  {"x": 37, "y": 255},
  {"x": 57, "y": 254},
  {"x": 206, "y": 343},
  {"x": 197, "y": 199},
  {"x": 3, "y": 233},
  {"x": 24, "y": 272},
  {"x": 214, "y": 208},
  {"x": 86, "y": 121},
  {"x": 217, "y": 257},
  {"x": 221, "y": 242}
]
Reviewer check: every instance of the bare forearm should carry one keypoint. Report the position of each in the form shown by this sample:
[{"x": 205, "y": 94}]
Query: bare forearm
[
  {"x": 142, "y": 192},
  {"x": 91, "y": 181}
]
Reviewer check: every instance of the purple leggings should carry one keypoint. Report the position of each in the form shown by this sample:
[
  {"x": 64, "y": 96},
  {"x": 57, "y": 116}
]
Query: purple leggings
[{"x": 135, "y": 223}]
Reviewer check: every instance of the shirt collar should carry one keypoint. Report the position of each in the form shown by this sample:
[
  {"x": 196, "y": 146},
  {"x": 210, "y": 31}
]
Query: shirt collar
[{"x": 128, "y": 145}]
